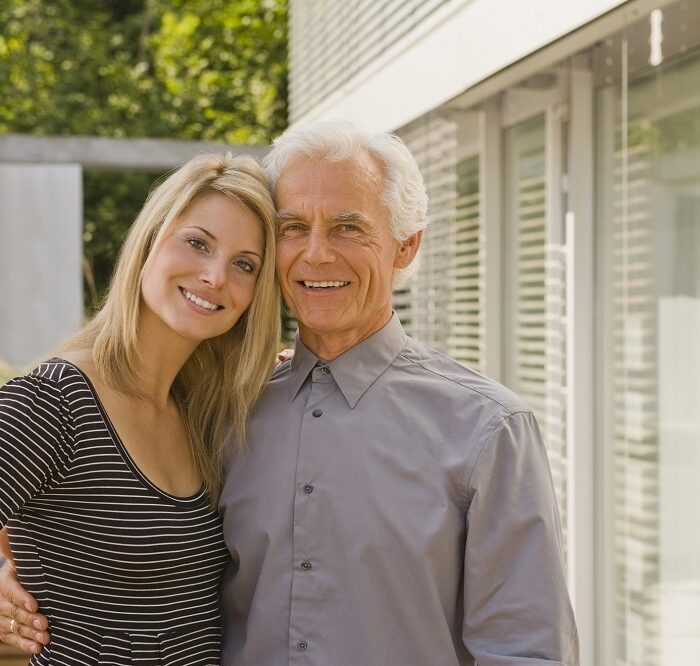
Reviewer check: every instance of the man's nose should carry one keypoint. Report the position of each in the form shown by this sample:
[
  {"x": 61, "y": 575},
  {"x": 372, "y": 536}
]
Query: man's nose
[{"x": 318, "y": 249}]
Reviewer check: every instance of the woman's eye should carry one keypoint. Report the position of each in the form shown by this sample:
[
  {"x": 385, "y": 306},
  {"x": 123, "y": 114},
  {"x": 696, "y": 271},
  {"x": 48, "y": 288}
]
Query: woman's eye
[
  {"x": 197, "y": 243},
  {"x": 247, "y": 266}
]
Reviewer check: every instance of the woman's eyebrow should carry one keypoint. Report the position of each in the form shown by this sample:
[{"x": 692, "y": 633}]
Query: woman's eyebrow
[
  {"x": 203, "y": 230},
  {"x": 253, "y": 253}
]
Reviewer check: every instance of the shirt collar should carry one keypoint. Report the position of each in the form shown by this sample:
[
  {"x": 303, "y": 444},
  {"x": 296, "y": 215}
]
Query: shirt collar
[{"x": 355, "y": 370}]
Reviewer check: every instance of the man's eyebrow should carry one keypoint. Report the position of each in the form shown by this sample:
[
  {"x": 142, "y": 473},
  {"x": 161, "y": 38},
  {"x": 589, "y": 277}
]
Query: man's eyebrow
[
  {"x": 286, "y": 215},
  {"x": 345, "y": 216},
  {"x": 203, "y": 230},
  {"x": 350, "y": 216}
]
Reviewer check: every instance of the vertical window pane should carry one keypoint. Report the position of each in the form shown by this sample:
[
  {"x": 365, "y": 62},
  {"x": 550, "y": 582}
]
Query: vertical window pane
[
  {"x": 534, "y": 298},
  {"x": 423, "y": 306},
  {"x": 649, "y": 168},
  {"x": 442, "y": 304},
  {"x": 465, "y": 315},
  {"x": 525, "y": 257}
]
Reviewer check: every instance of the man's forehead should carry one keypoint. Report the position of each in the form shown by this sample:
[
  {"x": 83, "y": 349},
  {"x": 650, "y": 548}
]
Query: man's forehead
[{"x": 343, "y": 190}]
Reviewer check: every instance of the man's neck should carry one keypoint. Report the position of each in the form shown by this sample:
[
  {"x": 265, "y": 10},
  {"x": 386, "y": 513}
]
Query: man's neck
[{"x": 330, "y": 346}]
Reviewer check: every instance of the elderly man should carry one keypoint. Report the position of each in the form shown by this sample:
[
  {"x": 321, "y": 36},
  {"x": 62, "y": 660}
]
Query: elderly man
[{"x": 394, "y": 507}]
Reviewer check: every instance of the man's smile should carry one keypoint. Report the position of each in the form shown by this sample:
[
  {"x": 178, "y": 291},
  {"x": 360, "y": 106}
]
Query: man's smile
[{"x": 323, "y": 284}]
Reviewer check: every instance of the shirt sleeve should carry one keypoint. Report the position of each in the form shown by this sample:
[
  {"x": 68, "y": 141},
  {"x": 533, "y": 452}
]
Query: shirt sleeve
[
  {"x": 34, "y": 440},
  {"x": 516, "y": 604}
]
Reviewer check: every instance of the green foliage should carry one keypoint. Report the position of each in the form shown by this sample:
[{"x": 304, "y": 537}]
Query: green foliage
[
  {"x": 190, "y": 69},
  {"x": 195, "y": 69},
  {"x": 109, "y": 195}
]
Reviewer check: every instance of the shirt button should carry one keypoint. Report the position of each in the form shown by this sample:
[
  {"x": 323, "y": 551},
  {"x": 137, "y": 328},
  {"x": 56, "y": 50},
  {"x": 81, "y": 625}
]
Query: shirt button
[
  {"x": 308, "y": 488},
  {"x": 317, "y": 413},
  {"x": 301, "y": 646},
  {"x": 325, "y": 369},
  {"x": 306, "y": 565}
]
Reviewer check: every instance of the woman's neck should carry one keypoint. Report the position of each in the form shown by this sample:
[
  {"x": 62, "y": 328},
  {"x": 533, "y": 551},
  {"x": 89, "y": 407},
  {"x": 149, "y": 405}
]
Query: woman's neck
[{"x": 161, "y": 355}]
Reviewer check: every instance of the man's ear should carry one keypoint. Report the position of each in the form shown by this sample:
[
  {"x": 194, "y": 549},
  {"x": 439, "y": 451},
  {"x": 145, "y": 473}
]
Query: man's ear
[{"x": 407, "y": 250}]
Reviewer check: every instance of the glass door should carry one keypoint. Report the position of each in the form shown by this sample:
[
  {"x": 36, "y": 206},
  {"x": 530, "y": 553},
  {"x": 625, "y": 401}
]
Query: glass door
[{"x": 649, "y": 229}]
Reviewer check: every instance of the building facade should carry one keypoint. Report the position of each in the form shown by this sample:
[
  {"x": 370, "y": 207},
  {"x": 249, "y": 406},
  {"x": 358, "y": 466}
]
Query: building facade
[{"x": 560, "y": 144}]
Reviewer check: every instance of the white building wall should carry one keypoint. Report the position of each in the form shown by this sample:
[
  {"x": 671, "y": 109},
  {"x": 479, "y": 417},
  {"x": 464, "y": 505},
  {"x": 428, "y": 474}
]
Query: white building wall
[
  {"x": 460, "y": 45},
  {"x": 41, "y": 222}
]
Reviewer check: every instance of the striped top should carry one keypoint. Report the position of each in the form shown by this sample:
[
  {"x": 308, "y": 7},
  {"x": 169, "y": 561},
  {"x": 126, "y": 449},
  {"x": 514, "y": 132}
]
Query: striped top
[{"x": 125, "y": 572}]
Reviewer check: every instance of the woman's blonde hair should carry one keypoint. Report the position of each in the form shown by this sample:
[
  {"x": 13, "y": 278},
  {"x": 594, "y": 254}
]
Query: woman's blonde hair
[{"x": 218, "y": 385}]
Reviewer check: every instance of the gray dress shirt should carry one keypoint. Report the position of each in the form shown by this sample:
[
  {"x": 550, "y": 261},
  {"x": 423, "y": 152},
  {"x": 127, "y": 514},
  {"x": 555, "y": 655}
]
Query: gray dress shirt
[{"x": 394, "y": 509}]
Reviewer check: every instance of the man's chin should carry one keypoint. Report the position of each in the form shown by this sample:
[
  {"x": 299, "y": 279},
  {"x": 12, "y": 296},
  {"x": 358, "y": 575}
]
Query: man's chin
[{"x": 320, "y": 325}]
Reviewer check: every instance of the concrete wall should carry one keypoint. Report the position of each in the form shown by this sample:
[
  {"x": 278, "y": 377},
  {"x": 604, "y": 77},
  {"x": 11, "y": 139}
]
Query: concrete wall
[{"x": 40, "y": 257}]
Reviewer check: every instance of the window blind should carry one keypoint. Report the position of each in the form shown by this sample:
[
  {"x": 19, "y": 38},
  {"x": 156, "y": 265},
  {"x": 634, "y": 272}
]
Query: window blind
[
  {"x": 333, "y": 42},
  {"x": 442, "y": 305}
]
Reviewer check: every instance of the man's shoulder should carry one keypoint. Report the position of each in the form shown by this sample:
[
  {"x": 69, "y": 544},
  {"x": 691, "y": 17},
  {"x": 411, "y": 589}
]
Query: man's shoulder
[
  {"x": 439, "y": 372},
  {"x": 278, "y": 381},
  {"x": 280, "y": 374}
]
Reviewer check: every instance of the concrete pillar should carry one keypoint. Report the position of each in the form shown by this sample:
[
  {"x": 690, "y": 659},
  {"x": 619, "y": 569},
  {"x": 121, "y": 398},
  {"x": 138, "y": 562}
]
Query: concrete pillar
[{"x": 41, "y": 218}]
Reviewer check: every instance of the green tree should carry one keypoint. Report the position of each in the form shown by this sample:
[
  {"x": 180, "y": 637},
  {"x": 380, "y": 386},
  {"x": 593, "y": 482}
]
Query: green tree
[{"x": 189, "y": 69}]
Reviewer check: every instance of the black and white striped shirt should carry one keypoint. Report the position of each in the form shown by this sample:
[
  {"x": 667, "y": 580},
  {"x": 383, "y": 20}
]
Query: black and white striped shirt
[{"x": 126, "y": 573}]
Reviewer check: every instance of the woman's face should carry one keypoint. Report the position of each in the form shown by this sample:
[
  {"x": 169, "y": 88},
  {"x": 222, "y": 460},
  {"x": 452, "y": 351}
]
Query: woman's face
[{"x": 201, "y": 277}]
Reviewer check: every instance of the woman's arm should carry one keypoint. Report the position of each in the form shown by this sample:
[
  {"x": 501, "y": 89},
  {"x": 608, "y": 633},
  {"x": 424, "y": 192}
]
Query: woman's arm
[{"x": 34, "y": 445}]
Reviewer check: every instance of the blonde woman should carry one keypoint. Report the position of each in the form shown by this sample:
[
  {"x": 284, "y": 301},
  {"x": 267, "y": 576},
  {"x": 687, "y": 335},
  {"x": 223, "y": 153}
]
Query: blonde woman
[{"x": 110, "y": 454}]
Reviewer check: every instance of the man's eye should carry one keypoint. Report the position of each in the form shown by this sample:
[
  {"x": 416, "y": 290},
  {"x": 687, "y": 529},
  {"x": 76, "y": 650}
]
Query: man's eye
[
  {"x": 291, "y": 228},
  {"x": 348, "y": 226},
  {"x": 197, "y": 243}
]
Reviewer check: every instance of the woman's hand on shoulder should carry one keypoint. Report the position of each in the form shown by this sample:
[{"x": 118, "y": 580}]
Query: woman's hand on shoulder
[{"x": 284, "y": 355}]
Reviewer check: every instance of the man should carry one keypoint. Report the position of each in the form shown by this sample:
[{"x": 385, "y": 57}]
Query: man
[{"x": 394, "y": 507}]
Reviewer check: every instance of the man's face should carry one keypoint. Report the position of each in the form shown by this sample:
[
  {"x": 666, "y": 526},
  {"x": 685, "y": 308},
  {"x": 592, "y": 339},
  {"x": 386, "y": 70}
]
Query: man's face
[{"x": 336, "y": 255}]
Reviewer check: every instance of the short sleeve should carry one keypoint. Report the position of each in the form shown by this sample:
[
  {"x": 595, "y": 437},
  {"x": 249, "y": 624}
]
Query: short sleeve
[
  {"x": 516, "y": 603},
  {"x": 35, "y": 441}
]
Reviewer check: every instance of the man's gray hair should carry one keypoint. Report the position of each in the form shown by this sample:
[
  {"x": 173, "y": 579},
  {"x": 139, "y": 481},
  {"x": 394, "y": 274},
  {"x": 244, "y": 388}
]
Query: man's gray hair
[{"x": 336, "y": 140}]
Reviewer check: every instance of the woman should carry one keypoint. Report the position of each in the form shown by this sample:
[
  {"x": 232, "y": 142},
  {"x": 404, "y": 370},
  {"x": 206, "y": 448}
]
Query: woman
[{"x": 111, "y": 454}]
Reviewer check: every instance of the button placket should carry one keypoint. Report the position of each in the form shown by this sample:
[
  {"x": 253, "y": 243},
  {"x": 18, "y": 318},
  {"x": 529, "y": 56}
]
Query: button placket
[{"x": 306, "y": 593}]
